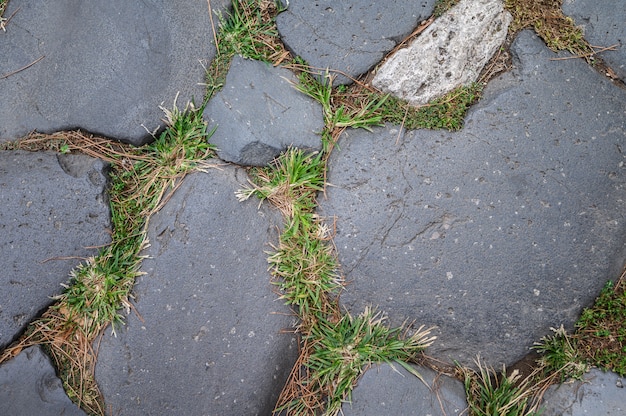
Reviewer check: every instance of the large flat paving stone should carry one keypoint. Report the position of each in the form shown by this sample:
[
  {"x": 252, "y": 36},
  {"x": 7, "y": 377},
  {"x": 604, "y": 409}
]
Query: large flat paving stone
[
  {"x": 391, "y": 390},
  {"x": 497, "y": 232},
  {"x": 209, "y": 340},
  {"x": 54, "y": 208},
  {"x": 259, "y": 114},
  {"x": 29, "y": 386},
  {"x": 604, "y": 25},
  {"x": 348, "y": 36},
  {"x": 106, "y": 67},
  {"x": 601, "y": 393}
]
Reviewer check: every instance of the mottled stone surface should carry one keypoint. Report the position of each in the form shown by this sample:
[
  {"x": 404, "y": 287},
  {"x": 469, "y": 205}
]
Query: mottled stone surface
[
  {"x": 29, "y": 386},
  {"x": 391, "y": 390},
  {"x": 106, "y": 67},
  {"x": 450, "y": 53},
  {"x": 207, "y": 337},
  {"x": 497, "y": 232},
  {"x": 601, "y": 393},
  {"x": 604, "y": 25},
  {"x": 259, "y": 113},
  {"x": 349, "y": 37},
  {"x": 54, "y": 208}
]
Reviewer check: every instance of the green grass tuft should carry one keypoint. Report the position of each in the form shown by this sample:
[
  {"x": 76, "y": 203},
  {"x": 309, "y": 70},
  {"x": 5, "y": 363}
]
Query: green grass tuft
[
  {"x": 493, "y": 394},
  {"x": 560, "y": 356},
  {"x": 248, "y": 30},
  {"x": 601, "y": 329},
  {"x": 447, "y": 112},
  {"x": 342, "y": 351}
]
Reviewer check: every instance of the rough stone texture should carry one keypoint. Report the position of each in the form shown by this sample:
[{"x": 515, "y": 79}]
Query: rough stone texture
[
  {"x": 348, "y": 36},
  {"x": 29, "y": 386},
  {"x": 209, "y": 339},
  {"x": 604, "y": 25},
  {"x": 259, "y": 114},
  {"x": 600, "y": 394},
  {"x": 107, "y": 65},
  {"x": 495, "y": 233},
  {"x": 451, "y": 52},
  {"x": 53, "y": 207},
  {"x": 387, "y": 390}
]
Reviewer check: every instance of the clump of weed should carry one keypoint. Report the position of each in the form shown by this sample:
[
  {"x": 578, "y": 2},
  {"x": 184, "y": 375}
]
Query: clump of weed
[
  {"x": 447, "y": 112},
  {"x": 493, "y": 394},
  {"x": 303, "y": 262},
  {"x": 341, "y": 351},
  {"x": 601, "y": 329},
  {"x": 560, "y": 356},
  {"x": 248, "y": 30},
  {"x": 547, "y": 19}
]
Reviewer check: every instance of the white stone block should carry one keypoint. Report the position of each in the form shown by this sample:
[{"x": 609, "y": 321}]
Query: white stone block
[{"x": 451, "y": 52}]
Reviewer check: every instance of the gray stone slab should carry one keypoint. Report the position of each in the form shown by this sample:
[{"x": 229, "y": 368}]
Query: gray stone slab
[
  {"x": 29, "y": 386},
  {"x": 209, "y": 339},
  {"x": 259, "y": 114},
  {"x": 53, "y": 209},
  {"x": 392, "y": 390},
  {"x": 604, "y": 25},
  {"x": 450, "y": 53},
  {"x": 107, "y": 65},
  {"x": 601, "y": 393},
  {"x": 348, "y": 36},
  {"x": 497, "y": 232}
]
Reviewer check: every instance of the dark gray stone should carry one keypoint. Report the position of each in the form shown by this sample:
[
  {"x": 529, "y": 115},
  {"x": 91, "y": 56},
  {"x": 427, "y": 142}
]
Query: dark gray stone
[
  {"x": 601, "y": 393},
  {"x": 259, "y": 114},
  {"x": 348, "y": 36},
  {"x": 497, "y": 232},
  {"x": 107, "y": 65},
  {"x": 209, "y": 339},
  {"x": 392, "y": 390},
  {"x": 53, "y": 208},
  {"x": 604, "y": 25},
  {"x": 29, "y": 386}
]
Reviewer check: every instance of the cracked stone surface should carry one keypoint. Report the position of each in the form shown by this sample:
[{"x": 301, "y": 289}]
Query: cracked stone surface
[
  {"x": 348, "y": 36},
  {"x": 259, "y": 114},
  {"x": 600, "y": 393},
  {"x": 450, "y": 53},
  {"x": 106, "y": 67},
  {"x": 53, "y": 210},
  {"x": 497, "y": 232},
  {"x": 391, "y": 390},
  {"x": 209, "y": 340},
  {"x": 604, "y": 26},
  {"x": 29, "y": 386}
]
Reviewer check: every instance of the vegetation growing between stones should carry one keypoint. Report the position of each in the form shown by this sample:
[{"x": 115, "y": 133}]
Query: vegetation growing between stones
[
  {"x": 297, "y": 261},
  {"x": 141, "y": 181},
  {"x": 492, "y": 394},
  {"x": 248, "y": 30},
  {"x": 304, "y": 262},
  {"x": 547, "y": 19},
  {"x": 601, "y": 329},
  {"x": 335, "y": 347},
  {"x": 599, "y": 339},
  {"x": 559, "y": 356}
]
